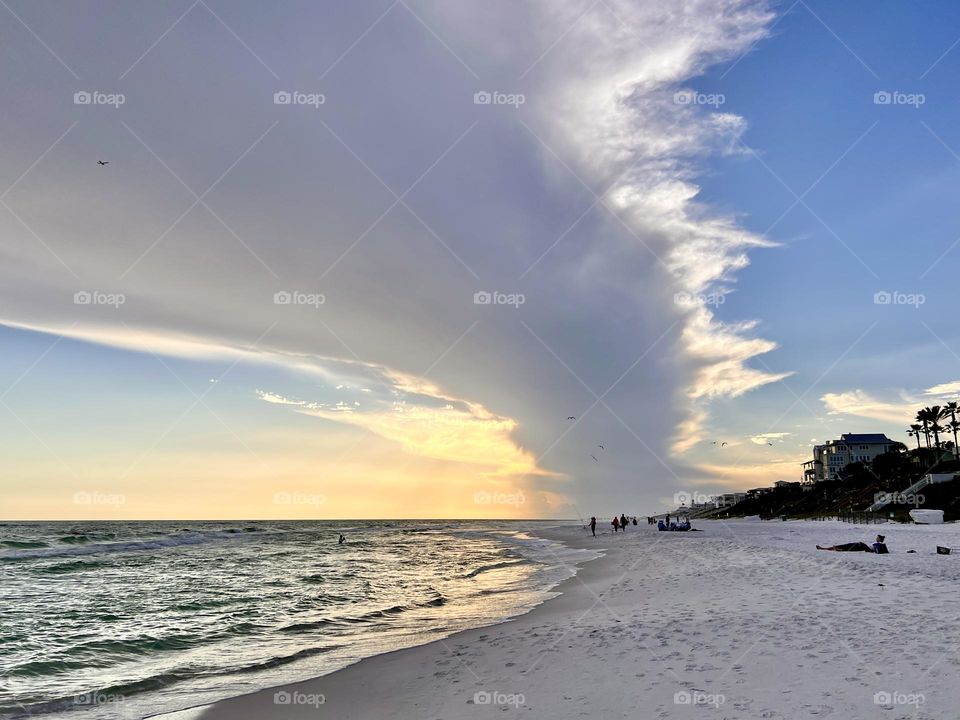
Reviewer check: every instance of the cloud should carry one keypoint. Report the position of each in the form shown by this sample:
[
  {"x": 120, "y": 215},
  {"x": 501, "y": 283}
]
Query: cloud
[
  {"x": 861, "y": 403},
  {"x": 949, "y": 389},
  {"x": 466, "y": 433},
  {"x": 765, "y": 438},
  {"x": 278, "y": 399},
  {"x": 619, "y": 115},
  {"x": 585, "y": 200},
  {"x": 748, "y": 475}
]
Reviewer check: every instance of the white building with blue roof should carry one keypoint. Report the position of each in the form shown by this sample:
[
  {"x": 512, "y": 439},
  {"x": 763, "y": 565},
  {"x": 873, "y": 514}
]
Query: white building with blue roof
[{"x": 834, "y": 455}]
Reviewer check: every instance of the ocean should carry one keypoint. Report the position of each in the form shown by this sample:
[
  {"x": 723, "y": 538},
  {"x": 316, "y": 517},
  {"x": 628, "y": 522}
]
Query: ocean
[{"x": 127, "y": 619}]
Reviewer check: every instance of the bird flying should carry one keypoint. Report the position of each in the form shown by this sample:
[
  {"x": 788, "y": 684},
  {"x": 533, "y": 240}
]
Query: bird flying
[
  {"x": 722, "y": 444},
  {"x": 571, "y": 417},
  {"x": 601, "y": 447},
  {"x": 103, "y": 162},
  {"x": 594, "y": 458}
]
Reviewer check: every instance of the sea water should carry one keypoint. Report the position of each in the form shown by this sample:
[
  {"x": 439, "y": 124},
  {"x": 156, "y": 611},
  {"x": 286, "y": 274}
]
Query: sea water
[{"x": 126, "y": 619}]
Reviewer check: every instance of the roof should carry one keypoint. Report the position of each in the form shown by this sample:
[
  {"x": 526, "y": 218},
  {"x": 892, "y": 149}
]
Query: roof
[{"x": 866, "y": 438}]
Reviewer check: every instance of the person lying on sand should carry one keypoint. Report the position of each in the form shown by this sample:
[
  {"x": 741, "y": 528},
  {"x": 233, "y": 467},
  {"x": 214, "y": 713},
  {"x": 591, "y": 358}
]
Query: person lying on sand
[{"x": 879, "y": 546}]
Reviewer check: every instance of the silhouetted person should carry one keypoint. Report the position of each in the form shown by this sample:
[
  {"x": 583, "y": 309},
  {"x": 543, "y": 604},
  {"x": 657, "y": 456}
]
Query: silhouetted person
[
  {"x": 342, "y": 540},
  {"x": 593, "y": 526},
  {"x": 615, "y": 523}
]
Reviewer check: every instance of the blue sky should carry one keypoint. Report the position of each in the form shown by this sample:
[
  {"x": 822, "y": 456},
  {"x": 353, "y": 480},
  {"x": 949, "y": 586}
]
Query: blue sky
[
  {"x": 882, "y": 196},
  {"x": 600, "y": 200}
]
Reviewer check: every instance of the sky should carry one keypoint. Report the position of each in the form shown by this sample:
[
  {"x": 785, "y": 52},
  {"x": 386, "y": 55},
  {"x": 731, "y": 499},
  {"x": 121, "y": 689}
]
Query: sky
[{"x": 405, "y": 258}]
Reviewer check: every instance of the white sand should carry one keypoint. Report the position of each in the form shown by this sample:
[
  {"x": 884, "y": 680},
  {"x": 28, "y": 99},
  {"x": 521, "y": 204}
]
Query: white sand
[{"x": 745, "y": 619}]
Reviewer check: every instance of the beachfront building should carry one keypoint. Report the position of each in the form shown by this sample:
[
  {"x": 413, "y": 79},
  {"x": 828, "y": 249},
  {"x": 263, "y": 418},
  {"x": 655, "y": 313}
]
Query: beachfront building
[
  {"x": 834, "y": 455},
  {"x": 784, "y": 484},
  {"x": 729, "y": 499},
  {"x": 813, "y": 471}
]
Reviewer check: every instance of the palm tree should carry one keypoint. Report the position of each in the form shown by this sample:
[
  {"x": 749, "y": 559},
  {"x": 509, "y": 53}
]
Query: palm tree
[
  {"x": 938, "y": 413},
  {"x": 923, "y": 417},
  {"x": 915, "y": 431},
  {"x": 951, "y": 409}
]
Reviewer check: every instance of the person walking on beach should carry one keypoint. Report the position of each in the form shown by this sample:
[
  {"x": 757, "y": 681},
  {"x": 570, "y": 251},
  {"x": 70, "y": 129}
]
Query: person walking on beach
[
  {"x": 623, "y": 522},
  {"x": 593, "y": 526},
  {"x": 615, "y": 523}
]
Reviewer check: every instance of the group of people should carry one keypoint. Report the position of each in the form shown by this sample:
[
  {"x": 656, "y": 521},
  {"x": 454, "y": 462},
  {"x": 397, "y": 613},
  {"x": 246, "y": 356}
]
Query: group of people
[
  {"x": 619, "y": 523},
  {"x": 681, "y": 523}
]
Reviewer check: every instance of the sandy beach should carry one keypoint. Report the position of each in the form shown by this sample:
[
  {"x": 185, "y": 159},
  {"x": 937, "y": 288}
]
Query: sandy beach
[{"x": 742, "y": 620}]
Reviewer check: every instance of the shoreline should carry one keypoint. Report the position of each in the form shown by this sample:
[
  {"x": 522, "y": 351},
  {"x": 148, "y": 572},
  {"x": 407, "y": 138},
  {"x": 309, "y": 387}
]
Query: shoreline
[
  {"x": 355, "y": 676},
  {"x": 742, "y": 620}
]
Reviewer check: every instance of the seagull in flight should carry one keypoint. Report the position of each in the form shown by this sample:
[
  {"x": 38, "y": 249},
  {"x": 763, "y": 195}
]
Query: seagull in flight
[
  {"x": 571, "y": 417},
  {"x": 594, "y": 458},
  {"x": 770, "y": 444},
  {"x": 722, "y": 444},
  {"x": 103, "y": 162},
  {"x": 601, "y": 447}
]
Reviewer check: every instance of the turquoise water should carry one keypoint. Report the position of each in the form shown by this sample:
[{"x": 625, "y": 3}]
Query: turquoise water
[{"x": 126, "y": 619}]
